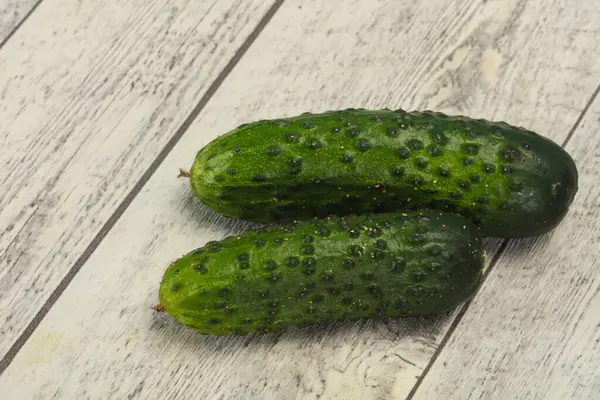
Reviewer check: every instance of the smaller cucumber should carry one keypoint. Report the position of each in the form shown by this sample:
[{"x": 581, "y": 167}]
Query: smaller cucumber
[{"x": 337, "y": 268}]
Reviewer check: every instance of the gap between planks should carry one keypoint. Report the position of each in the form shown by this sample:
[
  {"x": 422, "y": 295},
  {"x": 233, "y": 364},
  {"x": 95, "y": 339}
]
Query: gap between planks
[
  {"x": 89, "y": 99},
  {"x": 20, "y": 18},
  {"x": 64, "y": 283}
]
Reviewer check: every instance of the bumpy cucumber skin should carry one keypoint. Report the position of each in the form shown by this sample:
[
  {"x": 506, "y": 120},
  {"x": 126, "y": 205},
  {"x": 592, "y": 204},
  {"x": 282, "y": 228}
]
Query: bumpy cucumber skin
[
  {"x": 510, "y": 181},
  {"x": 337, "y": 268}
]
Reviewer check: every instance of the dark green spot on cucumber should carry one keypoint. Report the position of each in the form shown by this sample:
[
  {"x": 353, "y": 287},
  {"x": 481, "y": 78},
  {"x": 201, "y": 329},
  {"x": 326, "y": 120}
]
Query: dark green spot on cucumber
[
  {"x": 439, "y": 137},
  {"x": 262, "y": 293},
  {"x": 294, "y": 165},
  {"x": 421, "y": 162},
  {"x": 417, "y": 182},
  {"x": 292, "y": 261},
  {"x": 201, "y": 268},
  {"x": 418, "y": 275},
  {"x": 445, "y": 172},
  {"x": 307, "y": 249},
  {"x": 511, "y": 154},
  {"x": 435, "y": 151},
  {"x": 507, "y": 169},
  {"x": 176, "y": 287},
  {"x": 309, "y": 265},
  {"x": 347, "y": 158},
  {"x": 363, "y": 144},
  {"x": 415, "y": 144},
  {"x": 244, "y": 265},
  {"x": 471, "y": 148},
  {"x": 308, "y": 239},
  {"x": 403, "y": 153},
  {"x": 400, "y": 304},
  {"x": 353, "y": 132},
  {"x": 314, "y": 144},
  {"x": 323, "y": 232},
  {"x": 489, "y": 168},
  {"x": 381, "y": 244},
  {"x": 274, "y": 151},
  {"x": 368, "y": 275},
  {"x": 292, "y": 137},
  {"x": 378, "y": 254},
  {"x": 355, "y": 251},
  {"x": 327, "y": 276},
  {"x": 274, "y": 276},
  {"x": 398, "y": 171},
  {"x": 334, "y": 291},
  {"x": 374, "y": 232},
  {"x": 271, "y": 265}
]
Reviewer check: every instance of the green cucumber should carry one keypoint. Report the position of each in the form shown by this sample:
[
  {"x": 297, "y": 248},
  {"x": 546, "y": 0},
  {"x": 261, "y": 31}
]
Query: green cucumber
[
  {"x": 509, "y": 181},
  {"x": 336, "y": 268}
]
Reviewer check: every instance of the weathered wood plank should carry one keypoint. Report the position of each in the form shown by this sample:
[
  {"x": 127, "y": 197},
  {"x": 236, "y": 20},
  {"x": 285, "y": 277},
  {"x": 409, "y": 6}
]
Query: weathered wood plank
[
  {"x": 491, "y": 59},
  {"x": 12, "y": 12},
  {"x": 533, "y": 331},
  {"x": 91, "y": 92}
]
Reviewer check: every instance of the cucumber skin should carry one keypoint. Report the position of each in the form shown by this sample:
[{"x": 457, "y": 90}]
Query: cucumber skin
[
  {"x": 409, "y": 264},
  {"x": 516, "y": 184}
]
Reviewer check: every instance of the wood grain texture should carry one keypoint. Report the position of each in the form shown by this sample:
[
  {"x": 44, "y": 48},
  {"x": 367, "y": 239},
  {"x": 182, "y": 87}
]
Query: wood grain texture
[
  {"x": 12, "y": 13},
  {"x": 492, "y": 59},
  {"x": 91, "y": 92},
  {"x": 533, "y": 331}
]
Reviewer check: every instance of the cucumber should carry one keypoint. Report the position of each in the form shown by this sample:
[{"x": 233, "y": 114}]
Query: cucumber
[
  {"x": 509, "y": 181},
  {"x": 336, "y": 268}
]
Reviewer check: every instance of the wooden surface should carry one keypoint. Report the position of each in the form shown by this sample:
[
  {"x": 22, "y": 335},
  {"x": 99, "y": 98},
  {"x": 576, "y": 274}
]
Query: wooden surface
[
  {"x": 530, "y": 63},
  {"x": 12, "y": 12},
  {"x": 87, "y": 104}
]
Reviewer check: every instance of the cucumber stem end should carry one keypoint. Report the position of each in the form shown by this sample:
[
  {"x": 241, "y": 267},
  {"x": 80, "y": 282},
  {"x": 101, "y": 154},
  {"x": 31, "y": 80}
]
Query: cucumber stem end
[
  {"x": 159, "y": 308},
  {"x": 183, "y": 173}
]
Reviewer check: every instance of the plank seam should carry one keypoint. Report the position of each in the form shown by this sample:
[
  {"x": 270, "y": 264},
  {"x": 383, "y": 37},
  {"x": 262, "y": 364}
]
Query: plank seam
[
  {"x": 112, "y": 220},
  {"x": 493, "y": 263},
  {"x": 16, "y": 28},
  {"x": 583, "y": 113}
]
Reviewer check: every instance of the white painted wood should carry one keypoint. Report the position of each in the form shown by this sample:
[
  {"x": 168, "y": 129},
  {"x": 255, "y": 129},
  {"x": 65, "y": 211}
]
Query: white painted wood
[
  {"x": 530, "y": 63},
  {"x": 90, "y": 93},
  {"x": 12, "y": 13},
  {"x": 533, "y": 331}
]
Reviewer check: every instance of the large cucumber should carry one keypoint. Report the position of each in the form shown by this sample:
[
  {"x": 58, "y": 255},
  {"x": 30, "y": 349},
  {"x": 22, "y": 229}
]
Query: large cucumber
[
  {"x": 370, "y": 266},
  {"x": 508, "y": 180}
]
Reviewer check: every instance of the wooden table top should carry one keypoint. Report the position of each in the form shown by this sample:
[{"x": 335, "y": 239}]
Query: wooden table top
[{"x": 101, "y": 102}]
